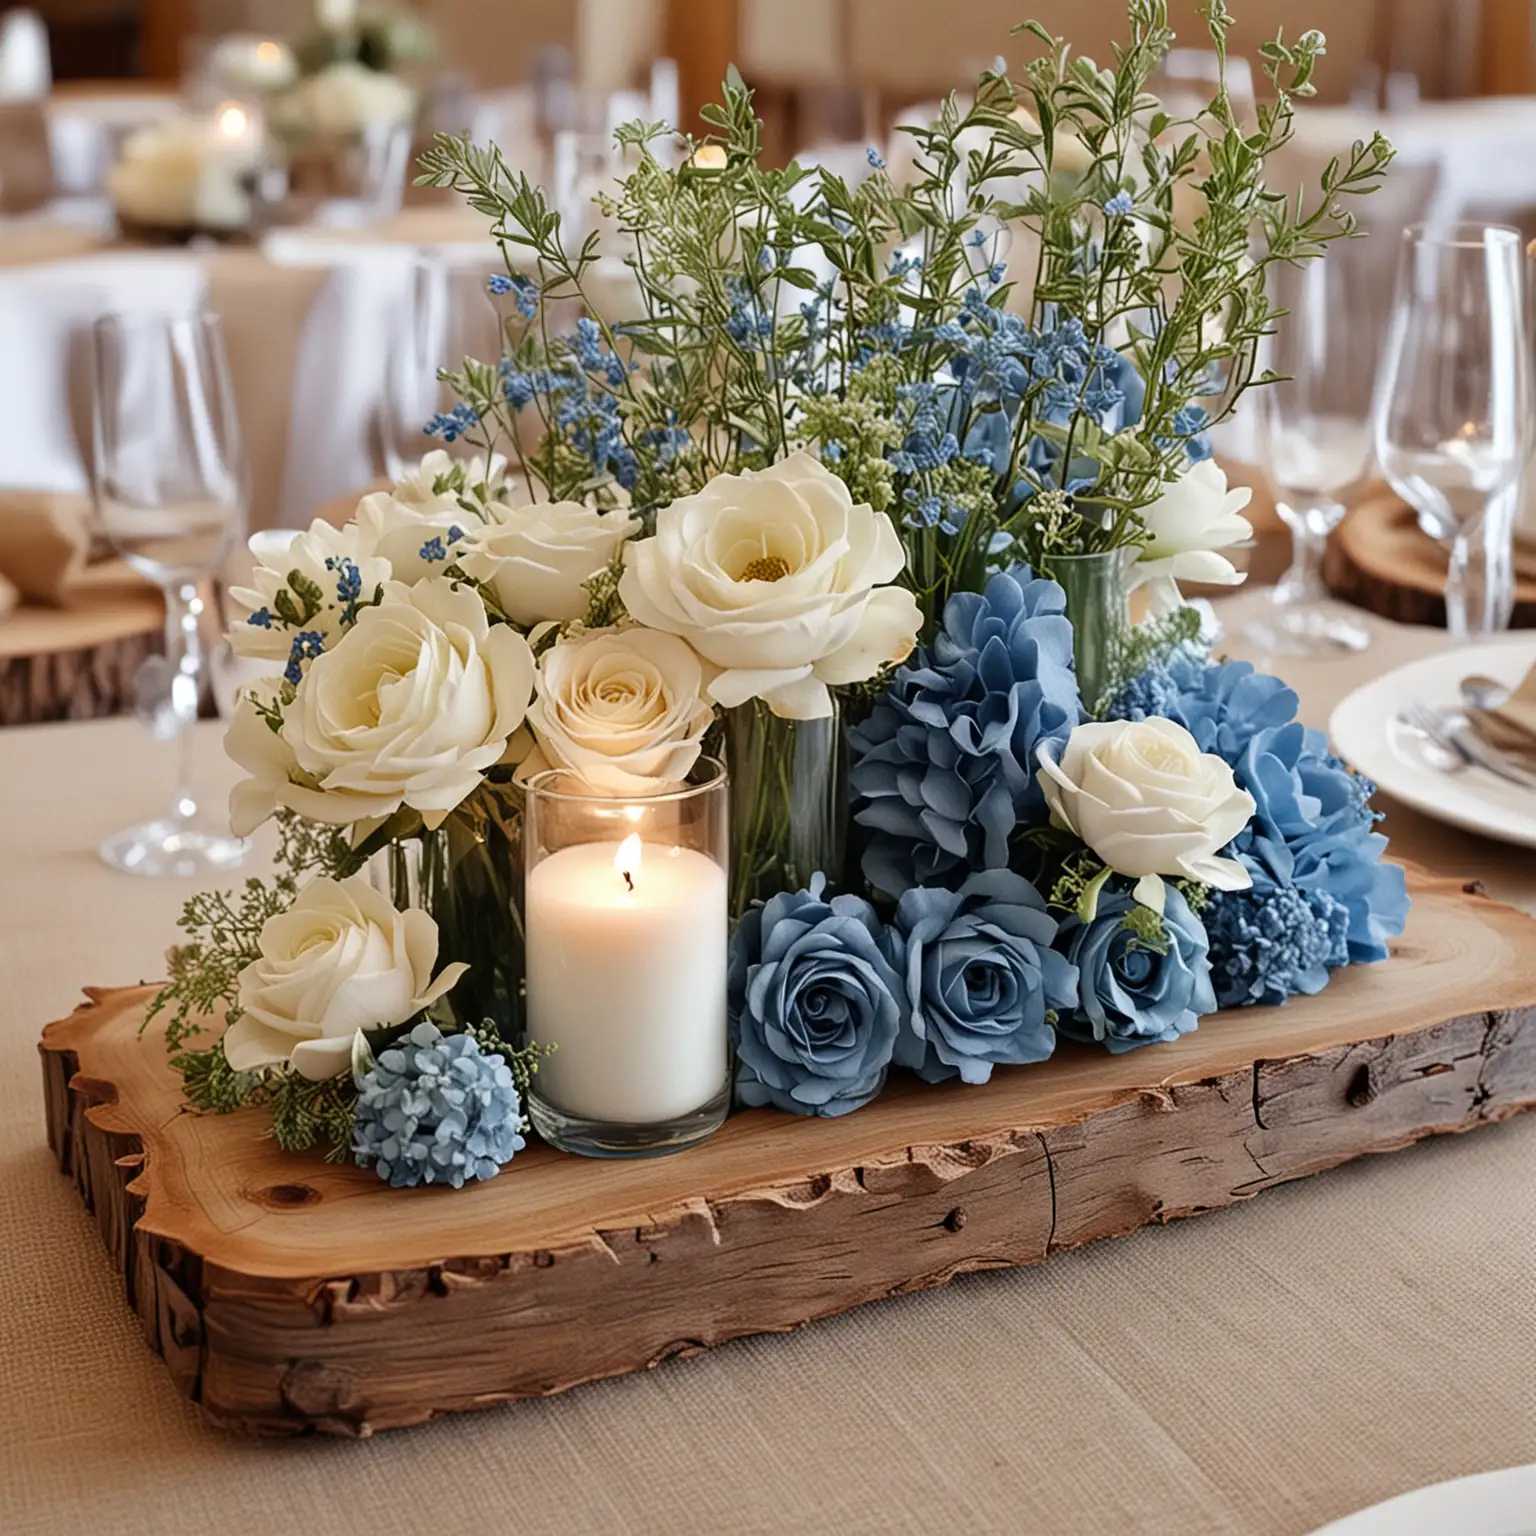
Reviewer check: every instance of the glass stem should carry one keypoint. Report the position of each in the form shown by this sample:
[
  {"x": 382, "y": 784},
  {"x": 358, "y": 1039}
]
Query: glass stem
[
  {"x": 1303, "y": 583},
  {"x": 184, "y": 653},
  {"x": 1456, "y": 583}
]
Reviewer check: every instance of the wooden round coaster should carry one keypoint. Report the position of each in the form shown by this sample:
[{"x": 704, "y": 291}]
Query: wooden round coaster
[
  {"x": 1381, "y": 560},
  {"x": 78, "y": 662}
]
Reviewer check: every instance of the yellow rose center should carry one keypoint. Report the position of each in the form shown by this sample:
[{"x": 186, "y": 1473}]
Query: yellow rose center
[{"x": 765, "y": 568}]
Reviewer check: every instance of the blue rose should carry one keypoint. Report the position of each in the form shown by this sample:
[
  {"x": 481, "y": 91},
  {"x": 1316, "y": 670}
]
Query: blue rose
[
  {"x": 815, "y": 1005},
  {"x": 1130, "y": 992},
  {"x": 981, "y": 977}
]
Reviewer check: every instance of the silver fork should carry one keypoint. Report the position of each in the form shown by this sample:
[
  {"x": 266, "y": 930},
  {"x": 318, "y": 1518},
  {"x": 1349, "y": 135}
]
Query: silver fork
[{"x": 1454, "y": 740}]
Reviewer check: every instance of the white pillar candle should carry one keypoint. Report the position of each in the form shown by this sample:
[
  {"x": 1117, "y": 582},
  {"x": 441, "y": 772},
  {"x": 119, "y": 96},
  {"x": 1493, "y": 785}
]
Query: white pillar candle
[{"x": 627, "y": 979}]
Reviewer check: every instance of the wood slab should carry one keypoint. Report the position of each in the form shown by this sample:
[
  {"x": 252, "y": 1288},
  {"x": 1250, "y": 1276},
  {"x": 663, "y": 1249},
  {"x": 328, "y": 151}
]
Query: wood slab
[
  {"x": 1381, "y": 560},
  {"x": 78, "y": 662},
  {"x": 288, "y": 1295}
]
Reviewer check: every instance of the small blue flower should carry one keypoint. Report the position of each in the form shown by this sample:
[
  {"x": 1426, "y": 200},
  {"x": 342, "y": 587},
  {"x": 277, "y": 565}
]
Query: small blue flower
[
  {"x": 981, "y": 977},
  {"x": 815, "y": 1004},
  {"x": 976, "y": 239},
  {"x": 500, "y": 283},
  {"x": 455, "y": 533},
  {"x": 1267, "y": 946},
  {"x": 307, "y": 644},
  {"x": 437, "y": 1109},
  {"x": 1121, "y": 204},
  {"x": 433, "y": 550},
  {"x": 875, "y": 158},
  {"x": 261, "y": 619},
  {"x": 997, "y": 272},
  {"x": 832, "y": 451},
  {"x": 454, "y": 424},
  {"x": 1129, "y": 993}
]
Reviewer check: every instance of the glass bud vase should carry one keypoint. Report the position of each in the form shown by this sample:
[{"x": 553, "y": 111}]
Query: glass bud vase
[
  {"x": 1098, "y": 604},
  {"x": 468, "y": 875},
  {"x": 789, "y": 801}
]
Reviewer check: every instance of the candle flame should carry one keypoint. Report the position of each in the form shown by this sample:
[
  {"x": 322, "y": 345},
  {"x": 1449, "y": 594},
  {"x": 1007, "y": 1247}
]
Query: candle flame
[
  {"x": 232, "y": 121},
  {"x": 268, "y": 51},
  {"x": 627, "y": 860}
]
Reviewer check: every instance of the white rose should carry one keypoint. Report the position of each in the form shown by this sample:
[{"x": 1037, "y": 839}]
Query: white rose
[
  {"x": 339, "y": 960},
  {"x": 1146, "y": 799},
  {"x": 345, "y": 98},
  {"x": 537, "y": 558},
  {"x": 1193, "y": 518},
  {"x": 419, "y": 526},
  {"x": 778, "y": 579},
  {"x": 623, "y": 709},
  {"x": 410, "y": 707},
  {"x": 334, "y": 559}
]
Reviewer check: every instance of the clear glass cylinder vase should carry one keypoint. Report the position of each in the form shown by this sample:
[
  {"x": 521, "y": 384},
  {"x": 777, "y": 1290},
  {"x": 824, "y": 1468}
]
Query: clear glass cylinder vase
[
  {"x": 1097, "y": 587},
  {"x": 789, "y": 801},
  {"x": 627, "y": 964},
  {"x": 468, "y": 875}
]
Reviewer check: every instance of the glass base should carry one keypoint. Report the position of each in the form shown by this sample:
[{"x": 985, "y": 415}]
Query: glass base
[
  {"x": 604, "y": 1138},
  {"x": 1316, "y": 629},
  {"x": 170, "y": 848}
]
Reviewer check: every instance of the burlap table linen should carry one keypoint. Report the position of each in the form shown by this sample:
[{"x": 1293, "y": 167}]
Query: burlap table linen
[{"x": 1256, "y": 1371}]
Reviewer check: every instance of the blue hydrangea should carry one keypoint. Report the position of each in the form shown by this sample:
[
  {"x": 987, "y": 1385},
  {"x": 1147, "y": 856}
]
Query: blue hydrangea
[
  {"x": 1313, "y": 826},
  {"x": 436, "y": 1109},
  {"x": 1270, "y": 945},
  {"x": 1130, "y": 992},
  {"x": 815, "y": 1003},
  {"x": 943, "y": 769},
  {"x": 981, "y": 977}
]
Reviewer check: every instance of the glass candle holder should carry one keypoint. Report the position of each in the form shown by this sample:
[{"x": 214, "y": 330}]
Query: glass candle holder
[{"x": 625, "y": 910}]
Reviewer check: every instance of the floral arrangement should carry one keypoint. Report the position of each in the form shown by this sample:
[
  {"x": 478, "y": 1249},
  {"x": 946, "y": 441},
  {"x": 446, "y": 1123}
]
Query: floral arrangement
[{"x": 857, "y": 498}]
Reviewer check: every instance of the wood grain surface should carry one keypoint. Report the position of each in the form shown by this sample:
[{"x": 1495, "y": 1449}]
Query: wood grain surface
[
  {"x": 288, "y": 1295},
  {"x": 1381, "y": 560}
]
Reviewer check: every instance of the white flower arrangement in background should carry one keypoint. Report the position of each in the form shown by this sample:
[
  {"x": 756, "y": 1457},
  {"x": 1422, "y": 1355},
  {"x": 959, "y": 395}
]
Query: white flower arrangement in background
[{"x": 340, "y": 962}]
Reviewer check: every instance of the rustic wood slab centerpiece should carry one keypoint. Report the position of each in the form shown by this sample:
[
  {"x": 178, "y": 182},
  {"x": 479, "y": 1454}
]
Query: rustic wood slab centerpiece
[{"x": 289, "y": 1295}]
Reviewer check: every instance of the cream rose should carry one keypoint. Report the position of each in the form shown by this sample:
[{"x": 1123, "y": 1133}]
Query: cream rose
[
  {"x": 184, "y": 174},
  {"x": 323, "y": 555},
  {"x": 421, "y": 525},
  {"x": 536, "y": 559},
  {"x": 341, "y": 959},
  {"x": 624, "y": 709},
  {"x": 776, "y": 578},
  {"x": 1194, "y": 518},
  {"x": 410, "y": 707},
  {"x": 1149, "y": 802}
]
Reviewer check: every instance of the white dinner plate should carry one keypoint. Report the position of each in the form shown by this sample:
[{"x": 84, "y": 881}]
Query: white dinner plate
[
  {"x": 1369, "y": 735},
  {"x": 1491, "y": 1504}
]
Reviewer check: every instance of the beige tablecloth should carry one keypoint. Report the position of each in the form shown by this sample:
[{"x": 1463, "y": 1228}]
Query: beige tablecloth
[{"x": 1259, "y": 1370}]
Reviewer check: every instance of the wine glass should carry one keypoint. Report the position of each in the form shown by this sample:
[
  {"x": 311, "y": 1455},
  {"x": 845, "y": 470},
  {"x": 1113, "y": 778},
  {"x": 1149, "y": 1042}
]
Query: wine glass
[
  {"x": 450, "y": 316},
  {"x": 170, "y": 493},
  {"x": 1451, "y": 408},
  {"x": 1315, "y": 441}
]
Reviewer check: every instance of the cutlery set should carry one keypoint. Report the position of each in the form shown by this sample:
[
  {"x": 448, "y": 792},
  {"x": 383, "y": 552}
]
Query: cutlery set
[{"x": 1494, "y": 730}]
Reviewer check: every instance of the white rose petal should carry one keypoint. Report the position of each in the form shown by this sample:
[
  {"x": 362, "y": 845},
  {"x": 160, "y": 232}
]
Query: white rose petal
[
  {"x": 343, "y": 99},
  {"x": 1148, "y": 802},
  {"x": 771, "y": 577},
  {"x": 410, "y": 707},
  {"x": 624, "y": 709},
  {"x": 319, "y": 554},
  {"x": 536, "y": 559},
  {"x": 340, "y": 960},
  {"x": 1193, "y": 518}
]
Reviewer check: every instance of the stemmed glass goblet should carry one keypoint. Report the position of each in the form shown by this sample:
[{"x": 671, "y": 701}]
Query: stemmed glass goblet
[
  {"x": 170, "y": 494},
  {"x": 1452, "y": 413}
]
